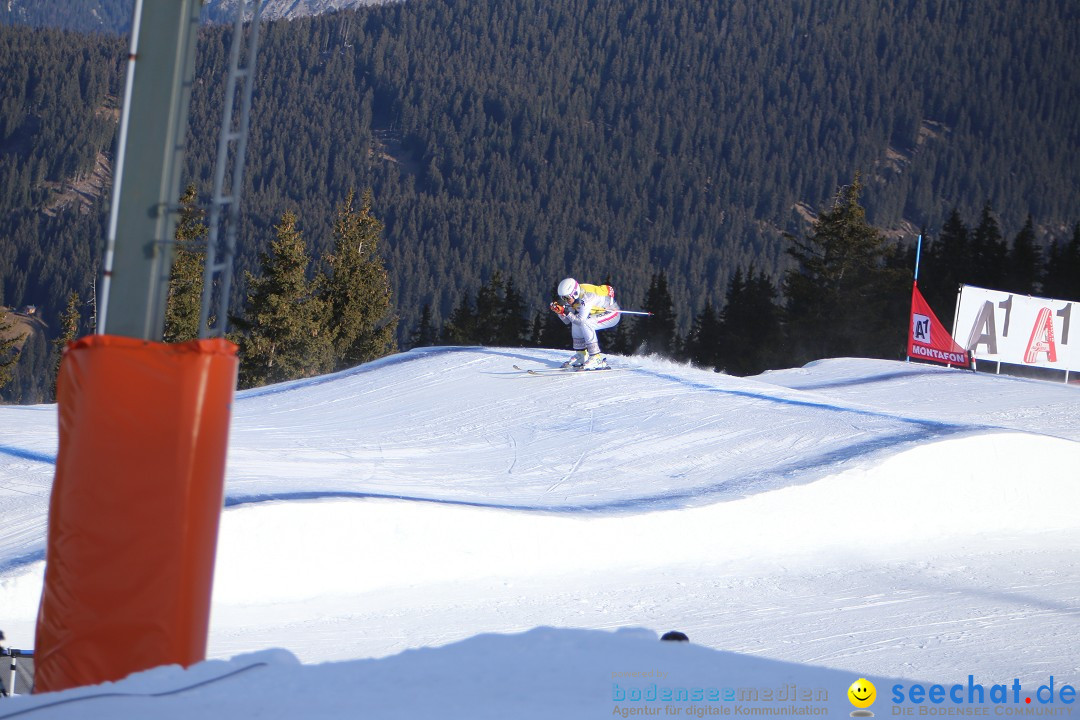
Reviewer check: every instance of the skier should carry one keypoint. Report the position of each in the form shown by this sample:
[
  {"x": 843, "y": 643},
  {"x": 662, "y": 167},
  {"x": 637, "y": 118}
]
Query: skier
[{"x": 586, "y": 308}]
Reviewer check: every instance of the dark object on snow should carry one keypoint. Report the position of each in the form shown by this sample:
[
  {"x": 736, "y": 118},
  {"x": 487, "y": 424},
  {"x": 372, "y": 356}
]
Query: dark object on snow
[{"x": 675, "y": 636}]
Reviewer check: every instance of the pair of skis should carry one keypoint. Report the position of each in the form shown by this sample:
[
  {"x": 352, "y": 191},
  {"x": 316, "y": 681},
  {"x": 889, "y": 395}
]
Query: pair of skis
[{"x": 557, "y": 370}]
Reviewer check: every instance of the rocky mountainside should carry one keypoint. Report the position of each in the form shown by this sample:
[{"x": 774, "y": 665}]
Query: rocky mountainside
[{"x": 114, "y": 16}]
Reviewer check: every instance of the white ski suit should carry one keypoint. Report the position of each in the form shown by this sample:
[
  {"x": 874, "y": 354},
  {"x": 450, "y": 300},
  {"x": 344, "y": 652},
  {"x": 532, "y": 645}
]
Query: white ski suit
[{"x": 596, "y": 309}]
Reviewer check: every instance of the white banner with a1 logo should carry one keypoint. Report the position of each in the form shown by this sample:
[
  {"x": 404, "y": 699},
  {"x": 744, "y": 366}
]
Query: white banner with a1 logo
[{"x": 1018, "y": 329}]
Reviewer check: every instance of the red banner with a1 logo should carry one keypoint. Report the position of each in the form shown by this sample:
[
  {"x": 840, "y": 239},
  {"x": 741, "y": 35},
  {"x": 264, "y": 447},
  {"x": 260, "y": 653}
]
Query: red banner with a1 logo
[{"x": 927, "y": 337}]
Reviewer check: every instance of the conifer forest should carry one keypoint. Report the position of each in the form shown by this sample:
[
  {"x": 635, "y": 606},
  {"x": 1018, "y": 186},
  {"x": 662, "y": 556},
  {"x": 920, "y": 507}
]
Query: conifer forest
[{"x": 755, "y": 174}]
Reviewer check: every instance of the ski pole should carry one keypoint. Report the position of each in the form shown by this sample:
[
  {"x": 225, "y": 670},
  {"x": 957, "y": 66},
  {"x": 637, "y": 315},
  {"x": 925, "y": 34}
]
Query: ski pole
[{"x": 633, "y": 312}]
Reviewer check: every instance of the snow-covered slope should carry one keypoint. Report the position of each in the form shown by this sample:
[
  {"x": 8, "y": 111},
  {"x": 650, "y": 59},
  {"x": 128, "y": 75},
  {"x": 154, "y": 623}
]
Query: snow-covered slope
[{"x": 875, "y": 518}]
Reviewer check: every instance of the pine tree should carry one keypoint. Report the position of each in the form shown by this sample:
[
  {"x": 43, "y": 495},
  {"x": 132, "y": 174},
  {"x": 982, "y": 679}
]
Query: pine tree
[
  {"x": 946, "y": 263},
  {"x": 1062, "y": 275},
  {"x": 536, "y": 335},
  {"x": 750, "y": 333},
  {"x": 30, "y": 375},
  {"x": 512, "y": 323},
  {"x": 357, "y": 292},
  {"x": 69, "y": 330},
  {"x": 460, "y": 327},
  {"x": 9, "y": 350},
  {"x": 425, "y": 334},
  {"x": 283, "y": 335},
  {"x": 840, "y": 291},
  {"x": 1024, "y": 267},
  {"x": 498, "y": 319},
  {"x": 656, "y": 334},
  {"x": 988, "y": 252},
  {"x": 548, "y": 330},
  {"x": 703, "y": 342},
  {"x": 617, "y": 339},
  {"x": 186, "y": 281},
  {"x": 489, "y": 311}
]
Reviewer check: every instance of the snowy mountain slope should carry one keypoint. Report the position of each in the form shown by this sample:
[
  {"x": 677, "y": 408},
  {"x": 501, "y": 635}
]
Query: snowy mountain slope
[
  {"x": 881, "y": 518},
  {"x": 225, "y": 10}
]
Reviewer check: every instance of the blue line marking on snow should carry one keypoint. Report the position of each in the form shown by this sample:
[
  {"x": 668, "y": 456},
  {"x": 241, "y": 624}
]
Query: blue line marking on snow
[
  {"x": 24, "y": 454},
  {"x": 815, "y": 404},
  {"x": 21, "y": 560},
  {"x": 799, "y": 472},
  {"x": 869, "y": 380}
]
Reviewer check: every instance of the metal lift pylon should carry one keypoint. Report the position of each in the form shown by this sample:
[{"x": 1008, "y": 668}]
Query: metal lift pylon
[{"x": 225, "y": 208}]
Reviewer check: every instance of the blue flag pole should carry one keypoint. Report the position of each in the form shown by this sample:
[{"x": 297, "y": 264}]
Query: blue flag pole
[{"x": 918, "y": 255}]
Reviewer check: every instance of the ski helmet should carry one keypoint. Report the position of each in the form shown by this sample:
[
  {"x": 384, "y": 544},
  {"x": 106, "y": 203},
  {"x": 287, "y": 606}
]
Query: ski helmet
[{"x": 569, "y": 290}]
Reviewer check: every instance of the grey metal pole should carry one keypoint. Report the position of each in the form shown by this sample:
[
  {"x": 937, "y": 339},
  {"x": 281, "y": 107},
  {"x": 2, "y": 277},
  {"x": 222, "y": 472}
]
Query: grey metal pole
[
  {"x": 139, "y": 250},
  {"x": 220, "y": 252}
]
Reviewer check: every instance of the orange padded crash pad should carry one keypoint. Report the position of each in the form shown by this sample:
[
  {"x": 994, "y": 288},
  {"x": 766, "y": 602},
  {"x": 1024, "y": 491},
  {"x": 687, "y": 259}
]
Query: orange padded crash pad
[{"x": 133, "y": 517}]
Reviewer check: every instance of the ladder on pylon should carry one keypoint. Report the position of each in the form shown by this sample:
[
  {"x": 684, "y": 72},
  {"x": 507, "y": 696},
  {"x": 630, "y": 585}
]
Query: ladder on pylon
[{"x": 232, "y": 146}]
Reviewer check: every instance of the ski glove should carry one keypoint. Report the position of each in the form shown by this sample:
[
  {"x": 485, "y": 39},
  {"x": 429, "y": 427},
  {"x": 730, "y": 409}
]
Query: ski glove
[{"x": 557, "y": 308}]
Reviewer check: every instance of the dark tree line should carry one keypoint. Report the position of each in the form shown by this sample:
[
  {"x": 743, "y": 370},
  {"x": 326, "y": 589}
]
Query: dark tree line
[
  {"x": 847, "y": 295},
  {"x": 980, "y": 255},
  {"x": 633, "y": 141}
]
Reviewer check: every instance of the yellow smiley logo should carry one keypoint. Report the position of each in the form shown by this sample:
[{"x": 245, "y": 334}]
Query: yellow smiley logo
[{"x": 862, "y": 693}]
